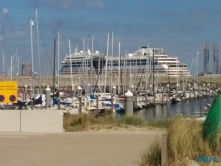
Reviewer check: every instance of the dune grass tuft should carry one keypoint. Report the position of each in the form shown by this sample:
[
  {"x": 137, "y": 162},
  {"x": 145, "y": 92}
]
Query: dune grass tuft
[
  {"x": 89, "y": 121},
  {"x": 161, "y": 123},
  {"x": 132, "y": 121},
  {"x": 76, "y": 122},
  {"x": 185, "y": 141},
  {"x": 152, "y": 156}
]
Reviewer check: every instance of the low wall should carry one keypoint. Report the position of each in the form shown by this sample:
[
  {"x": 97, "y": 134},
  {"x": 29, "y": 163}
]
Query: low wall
[
  {"x": 31, "y": 121},
  {"x": 10, "y": 120}
]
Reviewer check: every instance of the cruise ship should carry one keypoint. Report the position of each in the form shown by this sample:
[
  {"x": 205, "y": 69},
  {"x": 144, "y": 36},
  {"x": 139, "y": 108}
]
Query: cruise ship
[{"x": 144, "y": 61}]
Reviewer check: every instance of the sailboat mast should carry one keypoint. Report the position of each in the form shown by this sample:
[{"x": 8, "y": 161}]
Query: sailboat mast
[
  {"x": 38, "y": 47},
  {"x": 112, "y": 57},
  {"x": 92, "y": 51},
  {"x": 32, "y": 63},
  {"x": 124, "y": 83},
  {"x": 3, "y": 61},
  {"x": 119, "y": 64},
  {"x": 84, "y": 53},
  {"x": 153, "y": 71},
  {"x": 177, "y": 79},
  {"x": 11, "y": 68},
  {"x": 18, "y": 66},
  {"x": 105, "y": 77},
  {"x": 58, "y": 58},
  {"x": 197, "y": 75},
  {"x": 147, "y": 56},
  {"x": 70, "y": 64},
  {"x": 99, "y": 72},
  {"x": 54, "y": 67},
  {"x": 130, "y": 76},
  {"x": 87, "y": 60}
]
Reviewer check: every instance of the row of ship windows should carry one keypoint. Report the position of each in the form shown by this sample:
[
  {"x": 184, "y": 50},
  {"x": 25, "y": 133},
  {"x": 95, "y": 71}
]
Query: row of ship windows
[
  {"x": 114, "y": 64},
  {"x": 116, "y": 61},
  {"x": 174, "y": 67},
  {"x": 158, "y": 73},
  {"x": 80, "y": 64},
  {"x": 128, "y": 60},
  {"x": 128, "y": 70}
]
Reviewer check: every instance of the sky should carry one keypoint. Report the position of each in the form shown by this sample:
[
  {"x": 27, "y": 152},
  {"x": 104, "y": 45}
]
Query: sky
[{"x": 181, "y": 27}]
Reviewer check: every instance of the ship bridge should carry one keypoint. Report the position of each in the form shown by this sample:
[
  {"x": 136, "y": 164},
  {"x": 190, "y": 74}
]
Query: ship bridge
[{"x": 144, "y": 51}]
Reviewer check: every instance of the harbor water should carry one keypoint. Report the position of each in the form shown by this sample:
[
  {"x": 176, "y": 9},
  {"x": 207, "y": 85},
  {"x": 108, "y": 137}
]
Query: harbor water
[{"x": 188, "y": 108}]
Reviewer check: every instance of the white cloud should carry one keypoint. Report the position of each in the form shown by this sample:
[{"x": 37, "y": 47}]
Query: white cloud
[
  {"x": 72, "y": 4},
  {"x": 65, "y": 6},
  {"x": 95, "y": 4},
  {"x": 5, "y": 11},
  {"x": 1, "y": 38},
  {"x": 17, "y": 34}
]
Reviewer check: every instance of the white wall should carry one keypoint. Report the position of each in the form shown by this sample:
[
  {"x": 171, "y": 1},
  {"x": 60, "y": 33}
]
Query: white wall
[
  {"x": 41, "y": 121},
  {"x": 10, "y": 120},
  {"x": 31, "y": 121}
]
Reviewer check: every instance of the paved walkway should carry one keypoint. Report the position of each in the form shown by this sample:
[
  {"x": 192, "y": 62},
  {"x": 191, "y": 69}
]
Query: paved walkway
[{"x": 120, "y": 148}]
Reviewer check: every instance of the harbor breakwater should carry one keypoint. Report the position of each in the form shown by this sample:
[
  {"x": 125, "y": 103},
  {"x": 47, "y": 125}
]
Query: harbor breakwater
[{"x": 64, "y": 81}]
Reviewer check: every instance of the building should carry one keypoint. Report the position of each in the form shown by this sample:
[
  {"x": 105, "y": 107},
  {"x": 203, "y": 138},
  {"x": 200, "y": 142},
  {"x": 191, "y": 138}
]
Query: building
[
  {"x": 206, "y": 58},
  {"x": 215, "y": 58},
  {"x": 26, "y": 69}
]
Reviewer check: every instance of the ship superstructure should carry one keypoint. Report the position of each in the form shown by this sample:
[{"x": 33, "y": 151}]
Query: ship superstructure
[{"x": 144, "y": 61}]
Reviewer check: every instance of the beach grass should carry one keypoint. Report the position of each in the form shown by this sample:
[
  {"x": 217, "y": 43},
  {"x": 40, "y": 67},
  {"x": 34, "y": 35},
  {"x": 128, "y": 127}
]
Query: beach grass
[
  {"x": 184, "y": 141},
  {"x": 152, "y": 155},
  {"x": 83, "y": 122},
  {"x": 161, "y": 123}
]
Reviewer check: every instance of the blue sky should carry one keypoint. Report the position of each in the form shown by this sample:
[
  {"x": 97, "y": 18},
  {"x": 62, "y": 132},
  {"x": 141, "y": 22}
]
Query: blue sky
[{"x": 181, "y": 27}]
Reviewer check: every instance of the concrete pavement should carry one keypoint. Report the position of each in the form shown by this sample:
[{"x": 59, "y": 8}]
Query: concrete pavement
[{"x": 104, "y": 148}]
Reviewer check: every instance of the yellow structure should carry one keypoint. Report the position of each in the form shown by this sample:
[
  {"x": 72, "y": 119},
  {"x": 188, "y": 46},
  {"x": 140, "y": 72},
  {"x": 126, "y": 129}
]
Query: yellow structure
[{"x": 8, "y": 92}]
